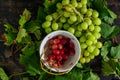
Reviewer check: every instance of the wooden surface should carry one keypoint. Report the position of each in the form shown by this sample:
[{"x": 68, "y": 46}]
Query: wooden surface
[{"x": 10, "y": 11}]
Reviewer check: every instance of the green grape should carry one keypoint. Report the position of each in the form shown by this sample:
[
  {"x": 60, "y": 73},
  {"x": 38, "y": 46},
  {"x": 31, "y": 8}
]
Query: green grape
[
  {"x": 97, "y": 35},
  {"x": 98, "y": 44},
  {"x": 65, "y": 2},
  {"x": 88, "y": 21},
  {"x": 83, "y": 10},
  {"x": 59, "y": 12},
  {"x": 82, "y": 60},
  {"x": 79, "y": 28},
  {"x": 48, "y": 18},
  {"x": 59, "y": 6},
  {"x": 79, "y": 5},
  {"x": 90, "y": 48},
  {"x": 73, "y": 18},
  {"x": 97, "y": 29},
  {"x": 74, "y": 3},
  {"x": 87, "y": 59},
  {"x": 84, "y": 2},
  {"x": 84, "y": 26},
  {"x": 95, "y": 41},
  {"x": 69, "y": 21},
  {"x": 60, "y": 25},
  {"x": 91, "y": 56},
  {"x": 79, "y": 19},
  {"x": 55, "y": 26},
  {"x": 89, "y": 42},
  {"x": 63, "y": 19},
  {"x": 71, "y": 30},
  {"x": 68, "y": 8},
  {"x": 91, "y": 27},
  {"x": 91, "y": 37},
  {"x": 89, "y": 13},
  {"x": 97, "y": 21},
  {"x": 86, "y": 53},
  {"x": 77, "y": 33},
  {"x": 83, "y": 46},
  {"x": 88, "y": 33},
  {"x": 95, "y": 14},
  {"x": 82, "y": 39},
  {"x": 46, "y": 24},
  {"x": 66, "y": 14},
  {"x": 96, "y": 52},
  {"x": 48, "y": 30},
  {"x": 55, "y": 15},
  {"x": 66, "y": 26}
]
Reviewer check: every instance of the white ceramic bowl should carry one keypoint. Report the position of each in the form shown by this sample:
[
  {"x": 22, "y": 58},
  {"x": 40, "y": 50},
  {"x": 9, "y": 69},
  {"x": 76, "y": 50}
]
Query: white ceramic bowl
[{"x": 70, "y": 63}]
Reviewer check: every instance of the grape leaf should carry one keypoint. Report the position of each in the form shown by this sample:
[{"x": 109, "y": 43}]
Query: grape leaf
[
  {"x": 105, "y": 50},
  {"x": 3, "y": 75},
  {"x": 91, "y": 76},
  {"x": 100, "y": 6},
  {"x": 111, "y": 67},
  {"x": 107, "y": 69},
  {"x": 22, "y": 33},
  {"x": 22, "y": 21},
  {"x": 107, "y": 31},
  {"x": 30, "y": 59},
  {"x": 112, "y": 14},
  {"x": 32, "y": 70},
  {"x": 26, "y": 14},
  {"x": 115, "y": 32},
  {"x": 10, "y": 37},
  {"x": 32, "y": 26},
  {"x": 72, "y": 75},
  {"x": 38, "y": 34},
  {"x": 108, "y": 20},
  {"x": 48, "y": 3},
  {"x": 41, "y": 14},
  {"x": 10, "y": 34},
  {"x": 24, "y": 17},
  {"x": 24, "y": 59},
  {"x": 45, "y": 76},
  {"x": 115, "y": 52},
  {"x": 25, "y": 78},
  {"x": 10, "y": 28},
  {"x": 26, "y": 40},
  {"x": 29, "y": 49},
  {"x": 118, "y": 68}
]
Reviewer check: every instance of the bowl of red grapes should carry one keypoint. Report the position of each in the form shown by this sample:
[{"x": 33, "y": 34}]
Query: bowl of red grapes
[{"x": 60, "y": 51}]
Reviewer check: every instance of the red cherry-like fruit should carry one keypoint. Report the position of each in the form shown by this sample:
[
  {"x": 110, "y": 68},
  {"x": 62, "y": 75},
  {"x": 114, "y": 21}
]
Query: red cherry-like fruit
[
  {"x": 52, "y": 57},
  {"x": 65, "y": 57},
  {"x": 59, "y": 58},
  {"x": 56, "y": 41},
  {"x": 61, "y": 52},
  {"x": 71, "y": 45},
  {"x": 56, "y": 52},
  {"x": 72, "y": 51},
  {"x": 54, "y": 46},
  {"x": 60, "y": 46},
  {"x": 60, "y": 36},
  {"x": 63, "y": 41}
]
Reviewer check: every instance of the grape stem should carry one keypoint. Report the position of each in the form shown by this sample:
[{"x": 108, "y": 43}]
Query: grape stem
[
  {"x": 57, "y": 18},
  {"x": 17, "y": 74},
  {"x": 77, "y": 13},
  {"x": 74, "y": 9}
]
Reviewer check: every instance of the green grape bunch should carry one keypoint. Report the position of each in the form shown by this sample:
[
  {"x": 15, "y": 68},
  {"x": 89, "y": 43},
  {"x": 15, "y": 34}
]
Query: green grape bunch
[{"x": 83, "y": 22}]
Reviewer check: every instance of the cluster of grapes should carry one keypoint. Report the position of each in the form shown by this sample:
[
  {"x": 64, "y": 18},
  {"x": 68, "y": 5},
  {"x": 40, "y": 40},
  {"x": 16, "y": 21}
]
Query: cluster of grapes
[
  {"x": 60, "y": 49},
  {"x": 83, "y": 22}
]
